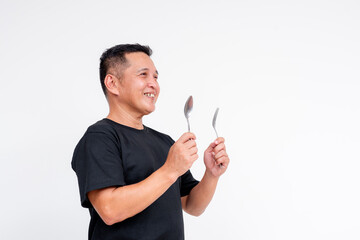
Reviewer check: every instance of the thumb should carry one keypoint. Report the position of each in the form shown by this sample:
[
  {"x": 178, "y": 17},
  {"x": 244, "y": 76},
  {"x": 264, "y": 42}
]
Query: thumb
[
  {"x": 210, "y": 147},
  {"x": 186, "y": 136}
]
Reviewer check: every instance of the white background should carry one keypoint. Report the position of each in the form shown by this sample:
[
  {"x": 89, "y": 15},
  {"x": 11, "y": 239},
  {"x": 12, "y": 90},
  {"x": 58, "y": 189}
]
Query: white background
[{"x": 285, "y": 75}]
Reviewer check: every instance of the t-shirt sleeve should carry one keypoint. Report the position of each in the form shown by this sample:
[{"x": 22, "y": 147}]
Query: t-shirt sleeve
[
  {"x": 97, "y": 163},
  {"x": 188, "y": 182}
]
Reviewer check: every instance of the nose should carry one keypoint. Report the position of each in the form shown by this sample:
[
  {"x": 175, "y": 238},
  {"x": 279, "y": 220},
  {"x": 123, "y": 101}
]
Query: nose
[{"x": 152, "y": 82}]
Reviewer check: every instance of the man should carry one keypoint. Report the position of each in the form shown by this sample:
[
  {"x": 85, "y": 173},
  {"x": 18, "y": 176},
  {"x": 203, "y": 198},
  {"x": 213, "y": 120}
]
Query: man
[{"x": 134, "y": 180}]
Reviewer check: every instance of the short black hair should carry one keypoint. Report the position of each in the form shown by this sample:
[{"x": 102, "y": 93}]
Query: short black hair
[{"x": 114, "y": 56}]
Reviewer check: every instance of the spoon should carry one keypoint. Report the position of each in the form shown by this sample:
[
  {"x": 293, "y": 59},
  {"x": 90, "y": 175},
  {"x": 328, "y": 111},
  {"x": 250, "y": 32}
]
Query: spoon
[
  {"x": 214, "y": 124},
  {"x": 214, "y": 121},
  {"x": 187, "y": 109}
]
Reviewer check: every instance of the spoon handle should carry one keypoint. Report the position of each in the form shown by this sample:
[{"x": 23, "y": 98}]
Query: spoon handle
[{"x": 187, "y": 119}]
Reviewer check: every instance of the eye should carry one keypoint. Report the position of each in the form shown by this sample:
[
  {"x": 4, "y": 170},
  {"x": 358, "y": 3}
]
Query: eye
[{"x": 143, "y": 74}]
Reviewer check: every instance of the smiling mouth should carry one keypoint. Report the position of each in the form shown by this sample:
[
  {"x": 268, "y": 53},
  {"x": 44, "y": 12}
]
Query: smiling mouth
[{"x": 152, "y": 95}]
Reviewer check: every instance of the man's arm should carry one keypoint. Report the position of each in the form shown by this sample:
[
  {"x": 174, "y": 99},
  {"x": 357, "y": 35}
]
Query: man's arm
[
  {"x": 115, "y": 204},
  {"x": 216, "y": 161}
]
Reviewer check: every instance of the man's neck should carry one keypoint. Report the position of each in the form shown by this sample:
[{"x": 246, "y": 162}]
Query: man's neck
[{"x": 124, "y": 117}]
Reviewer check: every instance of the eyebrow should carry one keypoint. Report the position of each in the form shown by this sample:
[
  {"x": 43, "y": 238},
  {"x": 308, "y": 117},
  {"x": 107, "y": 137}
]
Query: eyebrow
[{"x": 146, "y": 69}]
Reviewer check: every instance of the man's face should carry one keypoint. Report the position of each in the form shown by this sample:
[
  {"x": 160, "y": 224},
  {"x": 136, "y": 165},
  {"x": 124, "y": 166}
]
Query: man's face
[{"x": 138, "y": 87}]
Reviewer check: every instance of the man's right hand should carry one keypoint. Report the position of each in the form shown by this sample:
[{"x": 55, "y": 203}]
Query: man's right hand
[{"x": 182, "y": 154}]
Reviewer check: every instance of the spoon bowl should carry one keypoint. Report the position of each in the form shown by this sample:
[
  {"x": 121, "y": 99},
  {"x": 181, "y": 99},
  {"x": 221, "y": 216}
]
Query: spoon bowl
[
  {"x": 187, "y": 109},
  {"x": 214, "y": 121}
]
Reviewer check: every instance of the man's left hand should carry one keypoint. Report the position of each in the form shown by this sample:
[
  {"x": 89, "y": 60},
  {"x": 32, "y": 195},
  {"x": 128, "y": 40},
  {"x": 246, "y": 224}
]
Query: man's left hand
[{"x": 215, "y": 157}]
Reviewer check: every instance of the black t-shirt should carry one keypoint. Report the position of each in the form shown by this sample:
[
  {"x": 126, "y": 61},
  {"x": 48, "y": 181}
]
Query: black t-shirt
[{"x": 111, "y": 154}]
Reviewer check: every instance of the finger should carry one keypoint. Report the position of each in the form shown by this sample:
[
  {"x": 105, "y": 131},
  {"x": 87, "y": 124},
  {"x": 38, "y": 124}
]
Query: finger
[
  {"x": 219, "y": 148},
  {"x": 190, "y": 143},
  {"x": 186, "y": 136},
  {"x": 194, "y": 157},
  {"x": 224, "y": 160},
  {"x": 210, "y": 148},
  {"x": 219, "y": 140},
  {"x": 215, "y": 143},
  {"x": 220, "y": 154},
  {"x": 193, "y": 150}
]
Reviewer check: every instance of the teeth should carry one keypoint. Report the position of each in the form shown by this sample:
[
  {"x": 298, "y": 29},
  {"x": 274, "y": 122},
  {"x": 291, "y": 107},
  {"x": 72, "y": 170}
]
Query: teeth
[{"x": 149, "y": 94}]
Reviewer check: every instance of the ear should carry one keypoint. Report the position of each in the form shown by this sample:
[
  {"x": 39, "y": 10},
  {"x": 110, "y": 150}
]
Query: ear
[{"x": 110, "y": 82}]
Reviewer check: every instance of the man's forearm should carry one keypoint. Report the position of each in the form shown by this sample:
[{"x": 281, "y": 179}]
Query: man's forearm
[
  {"x": 117, "y": 204},
  {"x": 200, "y": 196}
]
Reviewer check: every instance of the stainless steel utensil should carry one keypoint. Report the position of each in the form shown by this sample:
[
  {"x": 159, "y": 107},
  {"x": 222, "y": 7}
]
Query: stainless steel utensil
[
  {"x": 187, "y": 109},
  {"x": 214, "y": 121},
  {"x": 214, "y": 125}
]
